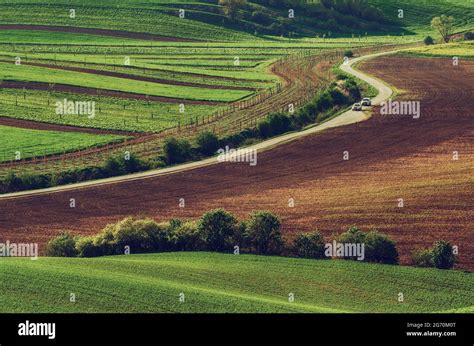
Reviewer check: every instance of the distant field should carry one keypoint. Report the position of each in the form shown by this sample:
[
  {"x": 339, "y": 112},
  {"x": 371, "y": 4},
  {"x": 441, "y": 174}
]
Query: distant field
[
  {"x": 114, "y": 113},
  {"x": 31, "y": 143},
  {"x": 461, "y": 49},
  {"x": 417, "y": 15},
  {"x": 27, "y": 73},
  {"x": 116, "y": 15},
  {"x": 226, "y": 283}
]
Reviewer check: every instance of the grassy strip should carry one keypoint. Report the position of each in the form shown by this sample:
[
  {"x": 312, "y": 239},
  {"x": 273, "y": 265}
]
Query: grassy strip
[
  {"x": 459, "y": 49},
  {"x": 214, "y": 282},
  {"x": 37, "y": 74},
  {"x": 18, "y": 143},
  {"x": 111, "y": 113}
]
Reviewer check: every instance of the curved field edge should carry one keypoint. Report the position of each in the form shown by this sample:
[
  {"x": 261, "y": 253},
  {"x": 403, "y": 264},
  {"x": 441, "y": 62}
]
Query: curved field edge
[{"x": 214, "y": 282}]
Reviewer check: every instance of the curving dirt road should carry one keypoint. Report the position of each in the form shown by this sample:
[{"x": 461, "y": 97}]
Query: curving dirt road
[
  {"x": 346, "y": 118},
  {"x": 390, "y": 157}
]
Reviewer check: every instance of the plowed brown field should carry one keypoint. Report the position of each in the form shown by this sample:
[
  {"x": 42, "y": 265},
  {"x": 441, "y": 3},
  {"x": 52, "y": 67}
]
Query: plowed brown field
[{"x": 391, "y": 157}]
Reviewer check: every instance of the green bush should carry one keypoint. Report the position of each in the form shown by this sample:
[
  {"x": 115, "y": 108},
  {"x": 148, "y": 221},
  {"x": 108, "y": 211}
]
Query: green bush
[
  {"x": 274, "y": 124},
  {"x": 117, "y": 166},
  {"x": 353, "y": 235},
  {"x": 377, "y": 246},
  {"x": 324, "y": 102},
  {"x": 208, "y": 143},
  {"x": 428, "y": 40},
  {"x": 64, "y": 245},
  {"x": 443, "y": 256},
  {"x": 217, "y": 228},
  {"x": 309, "y": 245},
  {"x": 262, "y": 18},
  {"x": 177, "y": 150},
  {"x": 380, "y": 248},
  {"x": 352, "y": 88},
  {"x": 422, "y": 258},
  {"x": 140, "y": 235},
  {"x": 13, "y": 183},
  {"x": 186, "y": 237},
  {"x": 468, "y": 36},
  {"x": 338, "y": 97},
  {"x": 85, "y": 247},
  {"x": 104, "y": 242},
  {"x": 348, "y": 53},
  {"x": 264, "y": 233}
]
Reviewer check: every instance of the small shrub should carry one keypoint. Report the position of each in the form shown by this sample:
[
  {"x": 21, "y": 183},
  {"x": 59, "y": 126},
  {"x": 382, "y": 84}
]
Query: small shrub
[
  {"x": 177, "y": 150},
  {"x": 264, "y": 233},
  {"x": 85, "y": 247},
  {"x": 186, "y": 237},
  {"x": 348, "y": 53},
  {"x": 141, "y": 236},
  {"x": 468, "y": 36},
  {"x": 274, "y": 124},
  {"x": 13, "y": 183},
  {"x": 380, "y": 248},
  {"x": 352, "y": 88},
  {"x": 217, "y": 228},
  {"x": 422, "y": 258},
  {"x": 338, "y": 97},
  {"x": 428, "y": 40},
  {"x": 324, "y": 102},
  {"x": 309, "y": 245},
  {"x": 443, "y": 256},
  {"x": 353, "y": 235},
  {"x": 104, "y": 242},
  {"x": 262, "y": 18},
  {"x": 208, "y": 143},
  {"x": 264, "y": 129},
  {"x": 64, "y": 245},
  {"x": 117, "y": 166}
]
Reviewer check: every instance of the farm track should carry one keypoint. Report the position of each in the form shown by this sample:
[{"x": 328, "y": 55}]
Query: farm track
[
  {"x": 391, "y": 157},
  {"x": 91, "y": 31},
  {"x": 131, "y": 76}
]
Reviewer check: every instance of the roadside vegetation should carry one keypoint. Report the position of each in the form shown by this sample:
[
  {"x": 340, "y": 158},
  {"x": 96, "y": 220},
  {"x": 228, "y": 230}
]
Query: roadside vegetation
[{"x": 325, "y": 103}]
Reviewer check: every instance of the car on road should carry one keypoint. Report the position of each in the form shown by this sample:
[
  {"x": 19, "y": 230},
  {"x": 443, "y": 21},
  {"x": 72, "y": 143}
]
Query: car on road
[
  {"x": 357, "y": 107},
  {"x": 366, "y": 102}
]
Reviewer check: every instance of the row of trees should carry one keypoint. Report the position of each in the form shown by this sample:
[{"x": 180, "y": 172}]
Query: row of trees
[
  {"x": 220, "y": 231},
  {"x": 273, "y": 16},
  {"x": 114, "y": 166}
]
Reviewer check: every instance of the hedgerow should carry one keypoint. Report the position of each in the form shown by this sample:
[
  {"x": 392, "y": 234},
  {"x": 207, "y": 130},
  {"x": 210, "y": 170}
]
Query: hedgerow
[{"x": 220, "y": 231}]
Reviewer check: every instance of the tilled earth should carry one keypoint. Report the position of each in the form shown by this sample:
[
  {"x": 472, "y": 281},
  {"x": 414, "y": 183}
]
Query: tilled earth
[{"x": 391, "y": 157}]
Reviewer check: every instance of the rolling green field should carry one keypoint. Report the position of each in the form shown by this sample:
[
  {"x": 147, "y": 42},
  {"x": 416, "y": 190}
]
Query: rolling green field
[
  {"x": 31, "y": 143},
  {"x": 418, "y": 14},
  {"x": 214, "y": 282}
]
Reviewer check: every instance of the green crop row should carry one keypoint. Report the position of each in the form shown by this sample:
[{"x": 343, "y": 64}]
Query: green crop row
[
  {"x": 211, "y": 282},
  {"x": 19, "y": 143},
  {"x": 111, "y": 113}
]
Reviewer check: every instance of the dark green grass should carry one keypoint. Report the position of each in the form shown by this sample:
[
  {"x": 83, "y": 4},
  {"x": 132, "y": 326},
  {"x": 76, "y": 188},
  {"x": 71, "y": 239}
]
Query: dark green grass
[
  {"x": 30, "y": 143},
  {"x": 226, "y": 283}
]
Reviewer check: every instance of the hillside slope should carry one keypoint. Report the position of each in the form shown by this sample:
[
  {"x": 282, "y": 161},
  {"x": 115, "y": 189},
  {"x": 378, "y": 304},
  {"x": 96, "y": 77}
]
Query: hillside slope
[
  {"x": 205, "y": 20},
  {"x": 226, "y": 283}
]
